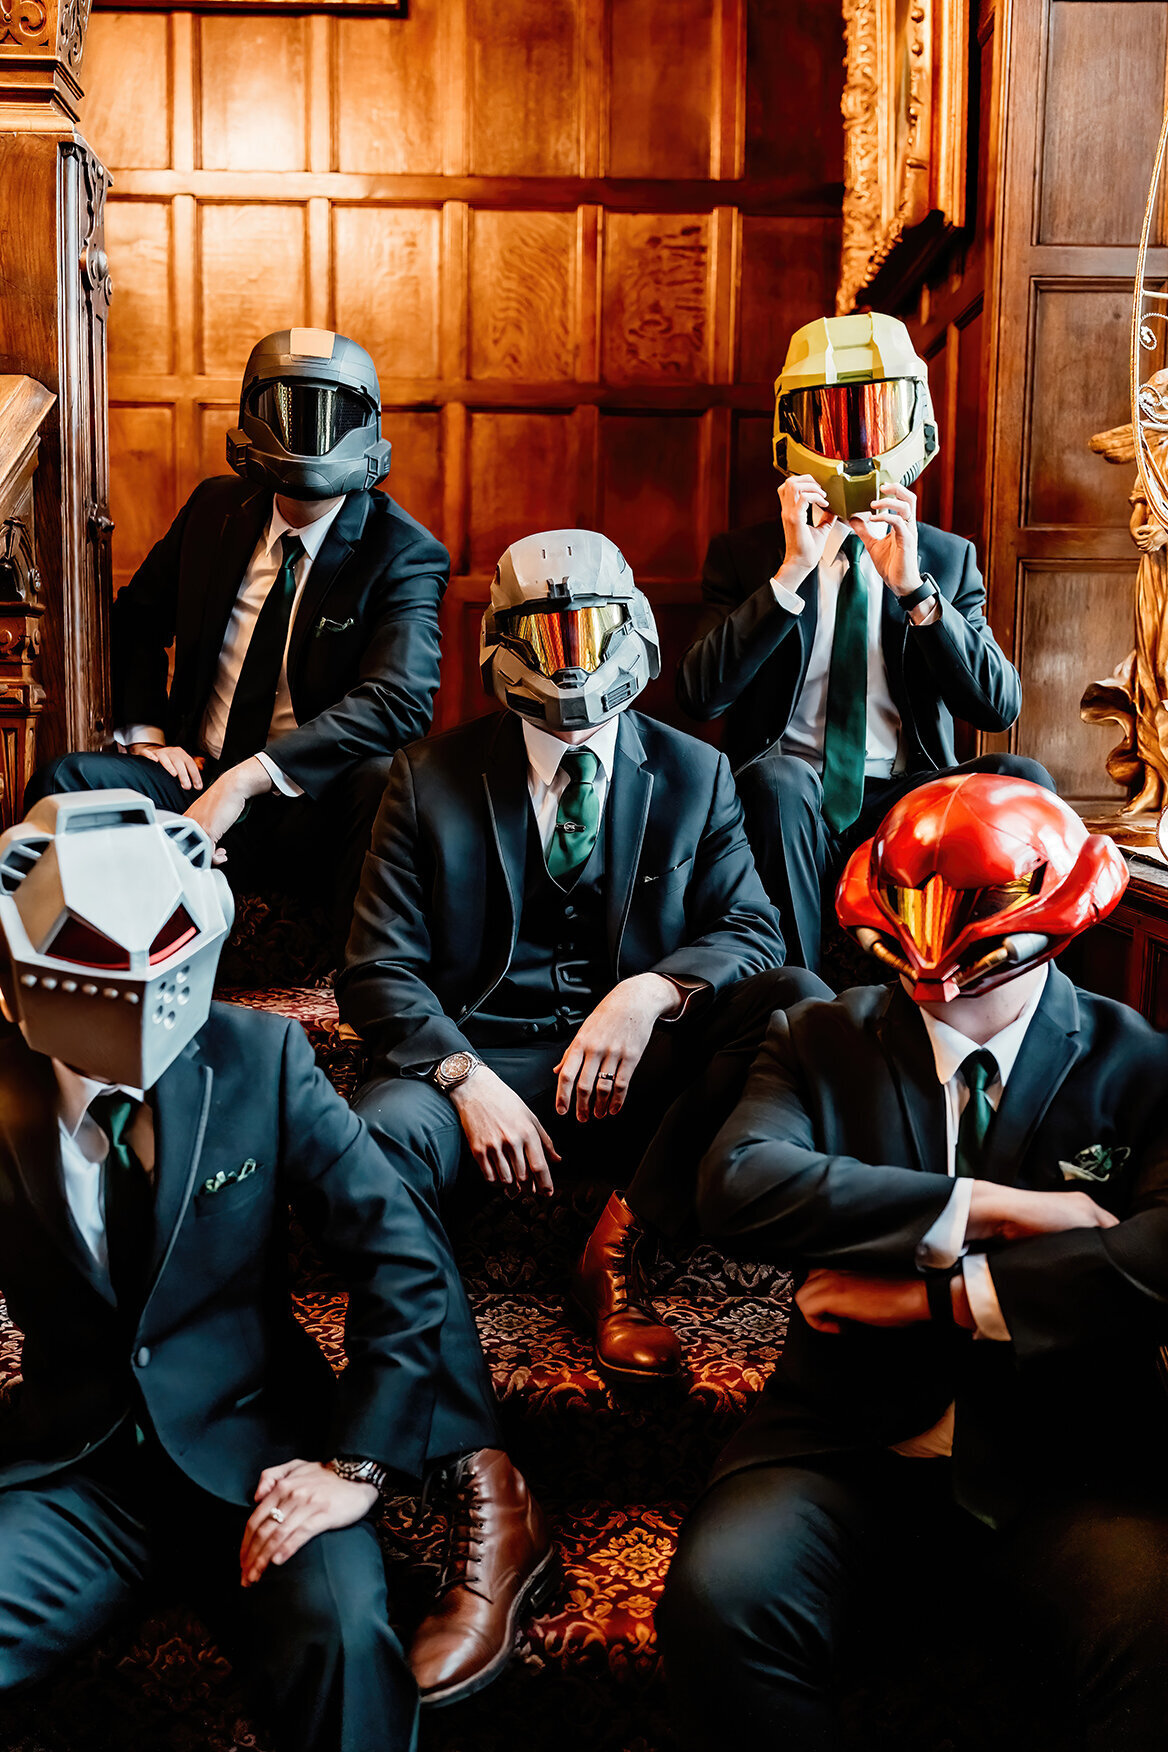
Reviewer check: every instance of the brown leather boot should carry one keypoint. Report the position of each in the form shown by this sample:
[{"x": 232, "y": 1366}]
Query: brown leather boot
[
  {"x": 631, "y": 1343},
  {"x": 500, "y": 1564}
]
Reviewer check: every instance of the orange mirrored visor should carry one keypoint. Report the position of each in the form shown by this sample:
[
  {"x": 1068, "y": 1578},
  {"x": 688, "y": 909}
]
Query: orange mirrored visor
[
  {"x": 849, "y": 421},
  {"x": 934, "y": 915},
  {"x": 565, "y": 638}
]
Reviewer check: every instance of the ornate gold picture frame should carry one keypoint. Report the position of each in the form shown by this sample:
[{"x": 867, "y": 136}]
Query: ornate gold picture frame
[
  {"x": 904, "y": 109},
  {"x": 371, "y": 8}
]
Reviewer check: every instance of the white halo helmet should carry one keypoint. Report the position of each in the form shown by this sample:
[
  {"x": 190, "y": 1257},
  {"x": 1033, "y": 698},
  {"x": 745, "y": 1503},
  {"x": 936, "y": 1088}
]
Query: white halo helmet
[
  {"x": 112, "y": 917},
  {"x": 568, "y": 638}
]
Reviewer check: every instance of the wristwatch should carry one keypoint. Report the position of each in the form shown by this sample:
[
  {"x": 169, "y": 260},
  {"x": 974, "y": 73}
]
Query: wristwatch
[
  {"x": 454, "y": 1069},
  {"x": 926, "y": 589},
  {"x": 359, "y": 1471}
]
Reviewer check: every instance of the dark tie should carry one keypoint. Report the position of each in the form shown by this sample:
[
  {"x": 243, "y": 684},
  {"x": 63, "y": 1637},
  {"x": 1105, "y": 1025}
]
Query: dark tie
[
  {"x": 578, "y": 816},
  {"x": 254, "y": 700},
  {"x": 979, "y": 1071},
  {"x": 128, "y": 1199},
  {"x": 845, "y": 731}
]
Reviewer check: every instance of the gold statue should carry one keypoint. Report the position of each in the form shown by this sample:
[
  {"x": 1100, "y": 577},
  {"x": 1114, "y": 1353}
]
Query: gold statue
[{"x": 1135, "y": 696}]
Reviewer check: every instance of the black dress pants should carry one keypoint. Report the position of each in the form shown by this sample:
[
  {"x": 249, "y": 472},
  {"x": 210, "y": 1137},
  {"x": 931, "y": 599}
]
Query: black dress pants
[
  {"x": 787, "y": 1578},
  {"x": 311, "y": 1638},
  {"x": 800, "y": 858},
  {"x": 282, "y": 845},
  {"x": 686, "y": 1085}
]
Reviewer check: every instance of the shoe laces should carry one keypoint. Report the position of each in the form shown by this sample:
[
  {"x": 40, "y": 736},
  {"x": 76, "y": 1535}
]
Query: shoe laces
[{"x": 464, "y": 1530}]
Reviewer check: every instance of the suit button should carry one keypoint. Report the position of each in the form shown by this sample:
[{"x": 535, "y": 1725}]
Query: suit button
[
  {"x": 570, "y": 914},
  {"x": 143, "y": 1356}
]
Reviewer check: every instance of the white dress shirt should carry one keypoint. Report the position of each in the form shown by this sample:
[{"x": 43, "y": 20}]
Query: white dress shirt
[
  {"x": 262, "y": 571},
  {"x": 546, "y": 779},
  {"x": 944, "y": 1244},
  {"x": 84, "y": 1148}
]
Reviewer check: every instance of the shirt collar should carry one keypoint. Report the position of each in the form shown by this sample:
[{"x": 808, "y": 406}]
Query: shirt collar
[
  {"x": 951, "y": 1049},
  {"x": 835, "y": 538},
  {"x": 76, "y": 1092},
  {"x": 545, "y": 752},
  {"x": 312, "y": 534}
]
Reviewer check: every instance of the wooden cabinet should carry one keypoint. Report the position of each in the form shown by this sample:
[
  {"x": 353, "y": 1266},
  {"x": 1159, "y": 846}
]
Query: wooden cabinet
[{"x": 24, "y": 408}]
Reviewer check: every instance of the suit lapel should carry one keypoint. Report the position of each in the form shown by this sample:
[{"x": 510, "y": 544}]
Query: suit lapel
[
  {"x": 339, "y": 544},
  {"x": 904, "y": 1041},
  {"x": 181, "y": 1100},
  {"x": 627, "y": 813},
  {"x": 228, "y": 560},
  {"x": 508, "y": 809},
  {"x": 1049, "y": 1050}
]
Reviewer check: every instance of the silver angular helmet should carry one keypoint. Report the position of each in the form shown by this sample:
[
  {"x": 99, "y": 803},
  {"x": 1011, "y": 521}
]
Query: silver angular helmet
[
  {"x": 309, "y": 416},
  {"x": 112, "y": 918},
  {"x": 568, "y": 638}
]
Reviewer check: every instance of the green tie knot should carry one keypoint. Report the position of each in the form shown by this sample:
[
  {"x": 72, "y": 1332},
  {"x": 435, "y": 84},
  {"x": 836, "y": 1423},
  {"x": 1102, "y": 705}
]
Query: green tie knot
[
  {"x": 581, "y": 766},
  {"x": 578, "y": 816},
  {"x": 851, "y": 547},
  {"x": 113, "y": 1112},
  {"x": 291, "y": 548},
  {"x": 979, "y": 1071}
]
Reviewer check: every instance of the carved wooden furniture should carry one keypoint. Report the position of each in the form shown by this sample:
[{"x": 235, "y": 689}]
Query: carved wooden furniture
[
  {"x": 56, "y": 290},
  {"x": 24, "y": 408}
]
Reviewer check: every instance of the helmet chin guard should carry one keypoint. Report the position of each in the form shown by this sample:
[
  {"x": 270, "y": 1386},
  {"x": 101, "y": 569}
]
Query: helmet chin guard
[
  {"x": 568, "y": 639},
  {"x": 972, "y": 880},
  {"x": 112, "y": 918}
]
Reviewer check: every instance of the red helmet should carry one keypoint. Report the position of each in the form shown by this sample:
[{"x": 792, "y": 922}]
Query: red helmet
[{"x": 971, "y": 880}]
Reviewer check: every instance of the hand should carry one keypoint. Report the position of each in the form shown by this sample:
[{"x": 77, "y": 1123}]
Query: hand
[
  {"x": 610, "y": 1043},
  {"x": 503, "y": 1134},
  {"x": 1012, "y": 1214},
  {"x": 804, "y": 542},
  {"x": 311, "y": 1499},
  {"x": 894, "y": 554},
  {"x": 221, "y": 805},
  {"x": 827, "y": 1298},
  {"x": 178, "y": 763}
]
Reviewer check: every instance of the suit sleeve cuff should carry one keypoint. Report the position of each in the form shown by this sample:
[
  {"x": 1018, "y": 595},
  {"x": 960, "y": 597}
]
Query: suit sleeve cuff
[
  {"x": 689, "y": 992},
  {"x": 983, "y": 1298},
  {"x": 942, "y": 1245},
  {"x": 287, "y": 787},
  {"x": 129, "y": 734},
  {"x": 787, "y": 598}
]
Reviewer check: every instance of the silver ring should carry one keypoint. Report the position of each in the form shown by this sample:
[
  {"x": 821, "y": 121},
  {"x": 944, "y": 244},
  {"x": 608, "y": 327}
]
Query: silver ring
[
  {"x": 276, "y": 1515},
  {"x": 606, "y": 1076}
]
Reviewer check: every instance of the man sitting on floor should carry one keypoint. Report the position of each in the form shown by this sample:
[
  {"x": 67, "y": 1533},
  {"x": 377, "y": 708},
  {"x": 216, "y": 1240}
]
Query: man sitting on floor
[
  {"x": 559, "y": 925},
  {"x": 174, "y": 1419},
  {"x": 968, "y": 1171}
]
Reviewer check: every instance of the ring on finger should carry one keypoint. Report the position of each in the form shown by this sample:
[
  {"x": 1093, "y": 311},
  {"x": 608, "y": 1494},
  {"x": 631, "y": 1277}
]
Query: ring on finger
[{"x": 276, "y": 1515}]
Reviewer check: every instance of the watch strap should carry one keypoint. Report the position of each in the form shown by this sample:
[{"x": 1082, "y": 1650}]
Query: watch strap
[
  {"x": 359, "y": 1471},
  {"x": 939, "y": 1291},
  {"x": 926, "y": 589}
]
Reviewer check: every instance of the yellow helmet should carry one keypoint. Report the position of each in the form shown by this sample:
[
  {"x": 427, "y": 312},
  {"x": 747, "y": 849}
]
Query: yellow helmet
[{"x": 852, "y": 409}]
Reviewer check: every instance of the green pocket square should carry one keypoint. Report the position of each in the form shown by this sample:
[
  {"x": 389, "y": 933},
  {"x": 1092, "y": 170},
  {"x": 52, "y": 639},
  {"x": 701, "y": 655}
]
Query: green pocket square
[
  {"x": 1096, "y": 1162},
  {"x": 227, "y": 1177}
]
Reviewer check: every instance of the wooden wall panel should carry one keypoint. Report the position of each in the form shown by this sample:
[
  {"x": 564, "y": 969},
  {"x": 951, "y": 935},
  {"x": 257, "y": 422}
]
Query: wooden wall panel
[
  {"x": 656, "y": 298},
  {"x": 662, "y": 61},
  {"x": 127, "y": 76},
  {"x": 525, "y": 98},
  {"x": 252, "y": 93},
  {"x": 415, "y": 470},
  {"x": 754, "y": 481},
  {"x": 651, "y": 498},
  {"x": 254, "y": 278},
  {"x": 1068, "y": 635},
  {"x": 522, "y": 479},
  {"x": 785, "y": 264},
  {"x": 386, "y": 284},
  {"x": 141, "y": 329},
  {"x": 389, "y": 95},
  {"x": 144, "y": 441},
  {"x": 1075, "y": 322},
  {"x": 522, "y": 288}
]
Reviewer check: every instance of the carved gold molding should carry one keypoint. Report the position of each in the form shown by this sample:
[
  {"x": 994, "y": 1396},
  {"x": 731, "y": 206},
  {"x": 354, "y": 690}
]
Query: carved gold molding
[{"x": 904, "y": 107}]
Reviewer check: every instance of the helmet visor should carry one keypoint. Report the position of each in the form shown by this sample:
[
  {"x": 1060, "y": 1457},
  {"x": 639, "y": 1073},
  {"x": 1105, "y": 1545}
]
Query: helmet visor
[
  {"x": 310, "y": 419},
  {"x": 933, "y": 916},
  {"x": 849, "y": 421},
  {"x": 564, "y": 638}
]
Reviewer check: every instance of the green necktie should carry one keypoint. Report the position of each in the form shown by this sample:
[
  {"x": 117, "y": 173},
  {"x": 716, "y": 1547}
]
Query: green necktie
[
  {"x": 128, "y": 1199},
  {"x": 254, "y": 700},
  {"x": 578, "y": 816},
  {"x": 845, "y": 732},
  {"x": 979, "y": 1071}
]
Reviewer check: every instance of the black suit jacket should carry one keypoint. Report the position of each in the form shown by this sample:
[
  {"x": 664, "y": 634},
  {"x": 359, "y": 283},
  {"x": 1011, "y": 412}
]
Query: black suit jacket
[
  {"x": 836, "y": 1157},
  {"x": 364, "y": 650},
  {"x": 751, "y": 654},
  {"x": 440, "y": 901},
  {"x": 230, "y": 1380}
]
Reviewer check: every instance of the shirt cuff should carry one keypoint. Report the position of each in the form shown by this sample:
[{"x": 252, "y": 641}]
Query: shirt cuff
[
  {"x": 687, "y": 991},
  {"x": 926, "y": 613},
  {"x": 131, "y": 733},
  {"x": 943, "y": 1244},
  {"x": 287, "y": 787},
  {"x": 983, "y": 1298},
  {"x": 787, "y": 598}
]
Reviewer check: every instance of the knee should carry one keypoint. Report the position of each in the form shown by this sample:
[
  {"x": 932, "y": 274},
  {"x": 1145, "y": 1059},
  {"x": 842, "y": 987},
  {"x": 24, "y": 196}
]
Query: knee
[
  {"x": 717, "y": 1587},
  {"x": 417, "y": 1129},
  {"x": 781, "y": 780},
  {"x": 333, "y": 1621},
  {"x": 1019, "y": 766},
  {"x": 68, "y": 772}
]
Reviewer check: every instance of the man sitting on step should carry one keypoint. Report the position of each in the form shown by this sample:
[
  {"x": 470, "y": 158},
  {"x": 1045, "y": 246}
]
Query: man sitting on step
[
  {"x": 174, "y": 1422},
  {"x": 303, "y": 610},
  {"x": 559, "y": 925},
  {"x": 968, "y": 1171}
]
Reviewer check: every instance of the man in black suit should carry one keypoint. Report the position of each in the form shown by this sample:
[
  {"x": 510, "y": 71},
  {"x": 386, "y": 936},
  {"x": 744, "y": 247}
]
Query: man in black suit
[
  {"x": 303, "y": 610},
  {"x": 174, "y": 1418},
  {"x": 968, "y": 1172},
  {"x": 841, "y": 639},
  {"x": 559, "y": 925}
]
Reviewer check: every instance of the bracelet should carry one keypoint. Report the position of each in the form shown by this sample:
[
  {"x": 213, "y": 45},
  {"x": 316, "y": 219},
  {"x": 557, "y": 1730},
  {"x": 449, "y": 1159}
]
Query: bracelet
[
  {"x": 938, "y": 1288},
  {"x": 359, "y": 1471},
  {"x": 922, "y": 594}
]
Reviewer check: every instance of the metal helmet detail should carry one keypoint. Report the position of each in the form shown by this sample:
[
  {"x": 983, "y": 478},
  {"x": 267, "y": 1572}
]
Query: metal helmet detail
[
  {"x": 853, "y": 409},
  {"x": 568, "y": 638},
  {"x": 112, "y": 917},
  {"x": 309, "y": 416},
  {"x": 973, "y": 879}
]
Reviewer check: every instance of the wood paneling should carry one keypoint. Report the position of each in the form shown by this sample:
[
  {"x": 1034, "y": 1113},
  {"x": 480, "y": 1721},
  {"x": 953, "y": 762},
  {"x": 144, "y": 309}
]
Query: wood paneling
[
  {"x": 1076, "y": 321},
  {"x": 1073, "y": 625},
  {"x": 535, "y": 215}
]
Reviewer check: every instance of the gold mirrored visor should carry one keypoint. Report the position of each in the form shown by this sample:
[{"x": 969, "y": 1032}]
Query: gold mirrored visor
[
  {"x": 847, "y": 422},
  {"x": 934, "y": 915},
  {"x": 563, "y": 638}
]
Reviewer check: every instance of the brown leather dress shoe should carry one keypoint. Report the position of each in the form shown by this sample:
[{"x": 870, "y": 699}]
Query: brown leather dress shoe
[
  {"x": 500, "y": 1564},
  {"x": 631, "y": 1343}
]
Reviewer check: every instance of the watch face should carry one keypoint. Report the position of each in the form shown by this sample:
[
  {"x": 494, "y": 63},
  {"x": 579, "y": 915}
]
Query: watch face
[{"x": 455, "y": 1067}]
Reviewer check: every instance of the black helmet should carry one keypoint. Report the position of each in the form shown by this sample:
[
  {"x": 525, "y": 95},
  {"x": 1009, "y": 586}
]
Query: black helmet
[{"x": 309, "y": 416}]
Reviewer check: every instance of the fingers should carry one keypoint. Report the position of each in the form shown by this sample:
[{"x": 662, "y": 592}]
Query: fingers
[
  {"x": 605, "y": 1085},
  {"x": 620, "y": 1085},
  {"x": 537, "y": 1167},
  {"x": 799, "y": 491},
  {"x": 586, "y": 1086},
  {"x": 218, "y": 856},
  {"x": 569, "y": 1070},
  {"x": 271, "y": 1476}
]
